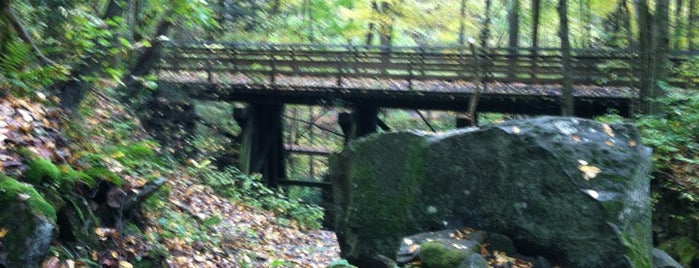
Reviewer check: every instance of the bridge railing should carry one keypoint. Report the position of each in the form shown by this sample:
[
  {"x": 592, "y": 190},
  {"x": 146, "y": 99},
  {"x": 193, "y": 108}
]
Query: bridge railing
[{"x": 267, "y": 63}]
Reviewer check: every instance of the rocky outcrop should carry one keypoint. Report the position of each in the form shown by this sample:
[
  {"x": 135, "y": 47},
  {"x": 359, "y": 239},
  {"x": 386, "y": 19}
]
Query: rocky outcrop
[
  {"x": 26, "y": 223},
  {"x": 572, "y": 190}
]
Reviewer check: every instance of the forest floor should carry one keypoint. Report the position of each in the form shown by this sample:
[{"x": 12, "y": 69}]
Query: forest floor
[{"x": 187, "y": 225}]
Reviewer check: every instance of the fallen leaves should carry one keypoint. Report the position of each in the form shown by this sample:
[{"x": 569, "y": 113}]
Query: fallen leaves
[
  {"x": 3, "y": 232},
  {"x": 607, "y": 129},
  {"x": 589, "y": 171},
  {"x": 104, "y": 233}
]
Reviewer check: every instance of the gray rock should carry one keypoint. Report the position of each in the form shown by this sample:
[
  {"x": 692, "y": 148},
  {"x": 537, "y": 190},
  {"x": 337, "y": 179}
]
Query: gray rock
[
  {"x": 575, "y": 191},
  {"x": 541, "y": 262},
  {"x": 475, "y": 261},
  {"x": 29, "y": 222},
  {"x": 502, "y": 243},
  {"x": 663, "y": 260},
  {"x": 409, "y": 249}
]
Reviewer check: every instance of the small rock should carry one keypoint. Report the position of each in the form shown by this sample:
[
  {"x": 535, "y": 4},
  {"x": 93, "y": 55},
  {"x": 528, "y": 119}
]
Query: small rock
[
  {"x": 663, "y": 260},
  {"x": 474, "y": 261},
  {"x": 502, "y": 243},
  {"x": 541, "y": 262}
]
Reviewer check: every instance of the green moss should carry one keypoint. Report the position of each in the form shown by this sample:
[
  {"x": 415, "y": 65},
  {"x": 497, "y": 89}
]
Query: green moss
[
  {"x": 140, "y": 150},
  {"x": 436, "y": 255},
  {"x": 100, "y": 173},
  {"x": 392, "y": 178},
  {"x": 11, "y": 189},
  {"x": 76, "y": 176},
  {"x": 41, "y": 170},
  {"x": 682, "y": 248}
]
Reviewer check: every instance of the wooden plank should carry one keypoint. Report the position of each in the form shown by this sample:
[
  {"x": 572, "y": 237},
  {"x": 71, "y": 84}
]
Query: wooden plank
[
  {"x": 323, "y": 185},
  {"x": 307, "y": 150}
]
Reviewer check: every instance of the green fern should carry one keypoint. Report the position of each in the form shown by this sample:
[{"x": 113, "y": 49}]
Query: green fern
[{"x": 21, "y": 73}]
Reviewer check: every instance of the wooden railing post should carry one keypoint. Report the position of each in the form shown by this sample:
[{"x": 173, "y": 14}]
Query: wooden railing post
[
  {"x": 209, "y": 69},
  {"x": 340, "y": 64},
  {"x": 273, "y": 74}
]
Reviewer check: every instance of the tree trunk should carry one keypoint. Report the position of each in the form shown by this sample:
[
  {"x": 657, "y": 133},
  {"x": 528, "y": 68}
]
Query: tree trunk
[
  {"x": 691, "y": 20},
  {"x": 385, "y": 28},
  {"x": 568, "y": 108},
  {"x": 16, "y": 24},
  {"x": 462, "y": 26},
  {"x": 678, "y": 26},
  {"x": 513, "y": 36},
  {"x": 536, "y": 10},
  {"x": 586, "y": 19},
  {"x": 72, "y": 92},
  {"x": 661, "y": 47},
  {"x": 146, "y": 61},
  {"x": 644, "y": 42},
  {"x": 485, "y": 31}
]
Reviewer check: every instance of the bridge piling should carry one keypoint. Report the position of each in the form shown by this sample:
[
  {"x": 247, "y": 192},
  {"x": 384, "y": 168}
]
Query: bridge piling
[{"x": 262, "y": 145}]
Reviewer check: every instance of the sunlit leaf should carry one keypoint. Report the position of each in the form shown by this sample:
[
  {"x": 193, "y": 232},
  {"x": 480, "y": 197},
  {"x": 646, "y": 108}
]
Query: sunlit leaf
[
  {"x": 589, "y": 171},
  {"x": 607, "y": 129}
]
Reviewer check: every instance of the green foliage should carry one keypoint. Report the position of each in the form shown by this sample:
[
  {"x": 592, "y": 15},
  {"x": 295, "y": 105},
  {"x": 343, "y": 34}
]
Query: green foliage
[
  {"x": 341, "y": 263},
  {"x": 136, "y": 155},
  {"x": 11, "y": 189},
  {"x": 20, "y": 75},
  {"x": 674, "y": 135},
  {"x": 683, "y": 247},
  {"x": 102, "y": 173},
  {"x": 249, "y": 189},
  {"x": 436, "y": 255}
]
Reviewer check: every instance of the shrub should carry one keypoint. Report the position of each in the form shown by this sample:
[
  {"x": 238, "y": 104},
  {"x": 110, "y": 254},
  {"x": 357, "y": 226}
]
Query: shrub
[{"x": 249, "y": 189}]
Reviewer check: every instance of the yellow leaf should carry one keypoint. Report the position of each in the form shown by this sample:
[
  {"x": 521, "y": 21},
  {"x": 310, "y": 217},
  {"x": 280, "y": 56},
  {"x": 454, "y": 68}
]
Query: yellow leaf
[
  {"x": 118, "y": 155},
  {"x": 632, "y": 143},
  {"x": 609, "y": 143},
  {"x": 575, "y": 138},
  {"x": 501, "y": 258},
  {"x": 3, "y": 232},
  {"x": 125, "y": 264},
  {"x": 589, "y": 172},
  {"x": 607, "y": 129}
]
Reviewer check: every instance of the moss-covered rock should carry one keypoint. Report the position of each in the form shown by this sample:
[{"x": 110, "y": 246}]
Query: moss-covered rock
[
  {"x": 12, "y": 191},
  {"x": 100, "y": 173},
  {"x": 29, "y": 222},
  {"x": 377, "y": 227},
  {"x": 438, "y": 255},
  {"x": 40, "y": 170},
  {"x": 575, "y": 190}
]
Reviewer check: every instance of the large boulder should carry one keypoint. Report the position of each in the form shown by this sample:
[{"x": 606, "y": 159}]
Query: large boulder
[
  {"x": 572, "y": 190},
  {"x": 27, "y": 224}
]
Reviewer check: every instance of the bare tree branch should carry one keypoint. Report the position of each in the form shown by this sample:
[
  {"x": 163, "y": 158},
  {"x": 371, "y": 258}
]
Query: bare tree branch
[{"x": 22, "y": 33}]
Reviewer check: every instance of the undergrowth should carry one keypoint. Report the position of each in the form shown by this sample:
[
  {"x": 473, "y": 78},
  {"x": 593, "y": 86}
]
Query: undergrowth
[
  {"x": 674, "y": 137},
  {"x": 249, "y": 189}
]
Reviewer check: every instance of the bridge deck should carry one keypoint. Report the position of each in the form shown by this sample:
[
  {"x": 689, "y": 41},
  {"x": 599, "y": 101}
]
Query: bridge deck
[
  {"x": 397, "y": 93},
  {"x": 510, "y": 81}
]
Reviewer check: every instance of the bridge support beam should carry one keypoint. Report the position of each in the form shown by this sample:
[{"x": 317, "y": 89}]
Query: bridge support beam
[
  {"x": 262, "y": 146},
  {"x": 362, "y": 121},
  {"x": 367, "y": 119},
  {"x": 466, "y": 121}
]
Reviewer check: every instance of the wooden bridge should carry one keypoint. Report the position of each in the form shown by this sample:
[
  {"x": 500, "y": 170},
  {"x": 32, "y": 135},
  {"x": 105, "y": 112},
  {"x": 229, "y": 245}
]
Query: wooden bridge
[{"x": 367, "y": 78}]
